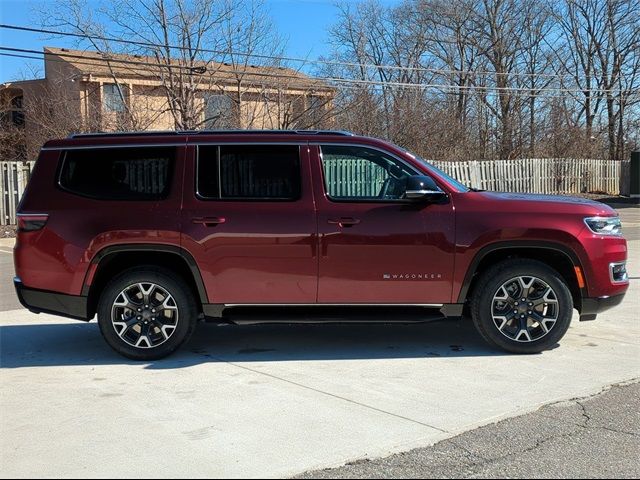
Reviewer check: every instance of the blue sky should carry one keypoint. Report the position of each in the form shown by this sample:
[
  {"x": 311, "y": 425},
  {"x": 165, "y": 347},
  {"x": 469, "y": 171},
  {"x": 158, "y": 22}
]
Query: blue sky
[{"x": 303, "y": 22}]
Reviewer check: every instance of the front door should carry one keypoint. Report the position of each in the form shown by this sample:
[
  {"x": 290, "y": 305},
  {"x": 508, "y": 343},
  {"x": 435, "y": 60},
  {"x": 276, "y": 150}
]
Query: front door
[
  {"x": 375, "y": 247},
  {"x": 249, "y": 221}
]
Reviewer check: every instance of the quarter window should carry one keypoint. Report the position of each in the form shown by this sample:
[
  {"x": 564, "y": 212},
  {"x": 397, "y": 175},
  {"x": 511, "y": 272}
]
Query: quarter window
[
  {"x": 248, "y": 172},
  {"x": 359, "y": 173},
  {"x": 118, "y": 173}
]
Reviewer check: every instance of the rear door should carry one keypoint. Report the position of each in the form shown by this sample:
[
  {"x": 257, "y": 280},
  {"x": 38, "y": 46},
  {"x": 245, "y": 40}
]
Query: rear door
[
  {"x": 375, "y": 247},
  {"x": 249, "y": 221}
]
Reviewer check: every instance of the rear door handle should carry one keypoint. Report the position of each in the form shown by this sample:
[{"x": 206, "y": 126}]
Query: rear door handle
[
  {"x": 344, "y": 221},
  {"x": 209, "y": 221}
]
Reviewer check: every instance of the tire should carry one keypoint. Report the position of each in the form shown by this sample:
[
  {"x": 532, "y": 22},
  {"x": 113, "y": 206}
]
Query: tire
[
  {"x": 502, "y": 319},
  {"x": 142, "y": 333}
]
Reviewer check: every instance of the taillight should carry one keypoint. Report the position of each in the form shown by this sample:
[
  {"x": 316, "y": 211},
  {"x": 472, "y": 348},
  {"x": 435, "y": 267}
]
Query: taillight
[{"x": 30, "y": 222}]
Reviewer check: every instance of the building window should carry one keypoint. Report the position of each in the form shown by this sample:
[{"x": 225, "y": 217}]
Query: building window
[
  {"x": 113, "y": 97},
  {"x": 17, "y": 113},
  {"x": 218, "y": 111},
  {"x": 315, "y": 104}
]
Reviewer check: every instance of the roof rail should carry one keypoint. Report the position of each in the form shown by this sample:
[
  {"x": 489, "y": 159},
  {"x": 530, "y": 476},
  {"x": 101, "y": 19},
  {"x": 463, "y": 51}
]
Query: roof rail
[
  {"x": 123, "y": 134},
  {"x": 210, "y": 132}
]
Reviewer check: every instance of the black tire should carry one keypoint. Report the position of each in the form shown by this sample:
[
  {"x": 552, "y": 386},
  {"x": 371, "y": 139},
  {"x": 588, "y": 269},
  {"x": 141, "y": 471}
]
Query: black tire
[
  {"x": 183, "y": 304},
  {"x": 482, "y": 305}
]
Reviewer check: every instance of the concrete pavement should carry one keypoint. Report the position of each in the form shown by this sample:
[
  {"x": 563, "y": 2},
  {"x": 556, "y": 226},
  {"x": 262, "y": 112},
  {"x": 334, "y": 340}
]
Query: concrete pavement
[
  {"x": 8, "y": 299},
  {"x": 279, "y": 400}
]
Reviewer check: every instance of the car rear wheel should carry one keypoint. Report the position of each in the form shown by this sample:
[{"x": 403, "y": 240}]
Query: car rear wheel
[
  {"x": 522, "y": 306},
  {"x": 146, "y": 314}
]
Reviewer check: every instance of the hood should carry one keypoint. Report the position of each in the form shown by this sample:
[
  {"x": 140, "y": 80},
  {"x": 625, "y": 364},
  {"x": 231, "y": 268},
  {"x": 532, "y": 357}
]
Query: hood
[{"x": 552, "y": 202}]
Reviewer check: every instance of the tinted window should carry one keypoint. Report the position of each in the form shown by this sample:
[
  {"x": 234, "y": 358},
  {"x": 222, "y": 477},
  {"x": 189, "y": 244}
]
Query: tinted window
[
  {"x": 359, "y": 173},
  {"x": 229, "y": 172},
  {"x": 118, "y": 173}
]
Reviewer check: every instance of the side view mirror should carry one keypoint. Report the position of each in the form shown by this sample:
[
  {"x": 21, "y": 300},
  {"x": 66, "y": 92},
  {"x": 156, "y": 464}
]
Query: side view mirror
[{"x": 423, "y": 188}]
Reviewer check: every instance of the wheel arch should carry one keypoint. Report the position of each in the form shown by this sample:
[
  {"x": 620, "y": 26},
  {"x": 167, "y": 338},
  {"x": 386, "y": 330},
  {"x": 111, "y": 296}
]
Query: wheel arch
[
  {"x": 113, "y": 259},
  {"x": 556, "y": 255}
]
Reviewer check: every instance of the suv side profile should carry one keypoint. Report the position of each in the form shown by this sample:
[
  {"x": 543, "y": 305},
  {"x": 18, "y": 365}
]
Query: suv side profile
[{"x": 153, "y": 232}]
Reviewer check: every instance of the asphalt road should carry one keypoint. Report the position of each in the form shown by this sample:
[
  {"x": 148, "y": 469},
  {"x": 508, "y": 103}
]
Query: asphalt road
[
  {"x": 594, "y": 437},
  {"x": 278, "y": 400}
]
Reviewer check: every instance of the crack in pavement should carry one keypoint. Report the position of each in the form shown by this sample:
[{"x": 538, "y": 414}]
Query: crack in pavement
[
  {"x": 329, "y": 394},
  {"x": 452, "y": 459}
]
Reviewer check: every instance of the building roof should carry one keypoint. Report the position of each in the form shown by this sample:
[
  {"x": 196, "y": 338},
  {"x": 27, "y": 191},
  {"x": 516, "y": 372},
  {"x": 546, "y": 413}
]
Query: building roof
[{"x": 146, "y": 67}]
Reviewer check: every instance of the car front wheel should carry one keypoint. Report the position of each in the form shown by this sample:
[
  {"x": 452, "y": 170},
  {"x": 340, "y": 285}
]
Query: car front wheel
[{"x": 522, "y": 306}]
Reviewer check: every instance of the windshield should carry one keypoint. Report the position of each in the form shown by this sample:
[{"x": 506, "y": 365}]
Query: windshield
[{"x": 459, "y": 186}]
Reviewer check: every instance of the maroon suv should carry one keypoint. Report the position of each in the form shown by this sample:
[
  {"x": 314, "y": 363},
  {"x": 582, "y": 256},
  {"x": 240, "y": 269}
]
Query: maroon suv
[{"x": 155, "y": 231}]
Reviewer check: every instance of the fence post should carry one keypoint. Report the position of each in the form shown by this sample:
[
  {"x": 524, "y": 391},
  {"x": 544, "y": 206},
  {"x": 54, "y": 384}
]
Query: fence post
[
  {"x": 474, "y": 170},
  {"x": 4, "y": 199},
  {"x": 634, "y": 180}
]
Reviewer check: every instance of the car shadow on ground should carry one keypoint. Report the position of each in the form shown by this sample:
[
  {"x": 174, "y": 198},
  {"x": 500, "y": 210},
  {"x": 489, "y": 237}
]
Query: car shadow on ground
[{"x": 81, "y": 344}]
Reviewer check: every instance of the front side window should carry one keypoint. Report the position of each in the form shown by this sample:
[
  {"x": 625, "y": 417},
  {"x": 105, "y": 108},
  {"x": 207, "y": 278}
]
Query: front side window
[
  {"x": 249, "y": 172},
  {"x": 113, "y": 98},
  {"x": 118, "y": 173},
  {"x": 360, "y": 173}
]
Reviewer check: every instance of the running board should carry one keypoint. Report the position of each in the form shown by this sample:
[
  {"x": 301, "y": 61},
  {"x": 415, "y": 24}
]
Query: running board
[{"x": 244, "y": 315}]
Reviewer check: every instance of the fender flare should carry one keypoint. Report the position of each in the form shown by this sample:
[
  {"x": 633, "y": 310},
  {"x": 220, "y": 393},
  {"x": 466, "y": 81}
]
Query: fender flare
[
  {"x": 506, "y": 245},
  {"x": 149, "y": 247}
]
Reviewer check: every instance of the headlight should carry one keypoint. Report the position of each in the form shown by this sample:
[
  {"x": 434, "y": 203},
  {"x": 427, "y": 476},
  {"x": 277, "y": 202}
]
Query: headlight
[{"x": 604, "y": 225}]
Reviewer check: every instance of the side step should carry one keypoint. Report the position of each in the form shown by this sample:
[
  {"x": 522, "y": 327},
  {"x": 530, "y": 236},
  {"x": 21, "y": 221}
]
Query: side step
[{"x": 242, "y": 315}]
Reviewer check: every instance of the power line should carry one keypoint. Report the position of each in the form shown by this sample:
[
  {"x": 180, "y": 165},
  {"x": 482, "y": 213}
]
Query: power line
[
  {"x": 342, "y": 82},
  {"x": 439, "y": 71}
]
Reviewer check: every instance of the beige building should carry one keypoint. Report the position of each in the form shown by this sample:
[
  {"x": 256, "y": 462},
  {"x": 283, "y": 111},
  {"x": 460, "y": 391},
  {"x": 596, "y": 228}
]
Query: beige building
[{"x": 90, "y": 91}]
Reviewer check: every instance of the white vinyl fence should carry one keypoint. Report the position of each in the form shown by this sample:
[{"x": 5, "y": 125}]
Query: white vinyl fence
[
  {"x": 13, "y": 179},
  {"x": 542, "y": 175},
  {"x": 537, "y": 175}
]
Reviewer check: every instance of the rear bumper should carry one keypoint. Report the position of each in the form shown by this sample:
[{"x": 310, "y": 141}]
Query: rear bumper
[
  {"x": 43, "y": 301},
  {"x": 592, "y": 306}
]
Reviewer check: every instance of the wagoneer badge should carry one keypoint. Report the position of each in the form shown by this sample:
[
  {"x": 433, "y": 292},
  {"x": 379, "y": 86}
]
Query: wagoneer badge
[{"x": 411, "y": 276}]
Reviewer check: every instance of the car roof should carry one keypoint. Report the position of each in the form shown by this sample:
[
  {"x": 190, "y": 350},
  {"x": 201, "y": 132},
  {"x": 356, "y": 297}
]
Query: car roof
[{"x": 171, "y": 137}]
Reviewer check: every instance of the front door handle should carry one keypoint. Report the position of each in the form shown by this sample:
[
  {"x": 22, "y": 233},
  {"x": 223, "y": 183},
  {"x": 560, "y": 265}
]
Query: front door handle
[
  {"x": 209, "y": 221},
  {"x": 344, "y": 221}
]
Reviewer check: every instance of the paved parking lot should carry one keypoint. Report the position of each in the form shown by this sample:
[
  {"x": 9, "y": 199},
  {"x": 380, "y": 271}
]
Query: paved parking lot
[{"x": 279, "y": 400}]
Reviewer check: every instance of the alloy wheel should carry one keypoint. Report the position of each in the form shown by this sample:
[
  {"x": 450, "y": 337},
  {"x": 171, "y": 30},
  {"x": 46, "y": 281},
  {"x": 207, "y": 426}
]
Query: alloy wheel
[
  {"x": 144, "y": 315},
  {"x": 525, "y": 308}
]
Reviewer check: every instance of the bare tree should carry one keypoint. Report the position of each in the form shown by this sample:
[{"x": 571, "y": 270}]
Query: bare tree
[{"x": 601, "y": 41}]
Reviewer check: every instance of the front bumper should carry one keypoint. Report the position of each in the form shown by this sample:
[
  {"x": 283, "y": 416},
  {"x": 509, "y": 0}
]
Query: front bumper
[
  {"x": 54, "y": 303},
  {"x": 592, "y": 306}
]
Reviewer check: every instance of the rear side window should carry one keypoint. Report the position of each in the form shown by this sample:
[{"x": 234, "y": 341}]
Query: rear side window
[
  {"x": 118, "y": 173},
  {"x": 249, "y": 172}
]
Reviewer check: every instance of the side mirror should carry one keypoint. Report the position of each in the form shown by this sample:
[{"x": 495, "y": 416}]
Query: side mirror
[{"x": 423, "y": 188}]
